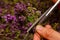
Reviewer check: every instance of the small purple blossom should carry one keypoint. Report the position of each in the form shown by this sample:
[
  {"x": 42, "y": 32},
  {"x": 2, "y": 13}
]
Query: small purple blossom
[
  {"x": 9, "y": 17},
  {"x": 23, "y": 29},
  {"x": 22, "y": 18},
  {"x": 0, "y": 10},
  {"x": 20, "y": 6},
  {"x": 29, "y": 24},
  {"x": 2, "y": 26},
  {"x": 7, "y": 6},
  {"x": 14, "y": 18},
  {"x": 11, "y": 35},
  {"x": 13, "y": 26}
]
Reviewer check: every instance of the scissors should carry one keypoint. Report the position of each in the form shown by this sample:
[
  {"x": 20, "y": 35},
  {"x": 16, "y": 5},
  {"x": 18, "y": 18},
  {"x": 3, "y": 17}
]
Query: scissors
[{"x": 42, "y": 18}]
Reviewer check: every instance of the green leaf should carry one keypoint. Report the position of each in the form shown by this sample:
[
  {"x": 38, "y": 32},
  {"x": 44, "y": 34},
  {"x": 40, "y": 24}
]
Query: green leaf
[
  {"x": 30, "y": 9},
  {"x": 17, "y": 34},
  {"x": 34, "y": 8},
  {"x": 30, "y": 18},
  {"x": 55, "y": 25},
  {"x": 15, "y": 1},
  {"x": 6, "y": 1},
  {"x": 38, "y": 13},
  {"x": 12, "y": 10},
  {"x": 7, "y": 29}
]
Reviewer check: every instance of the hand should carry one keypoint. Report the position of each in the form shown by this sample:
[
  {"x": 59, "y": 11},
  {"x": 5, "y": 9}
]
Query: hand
[{"x": 47, "y": 32}]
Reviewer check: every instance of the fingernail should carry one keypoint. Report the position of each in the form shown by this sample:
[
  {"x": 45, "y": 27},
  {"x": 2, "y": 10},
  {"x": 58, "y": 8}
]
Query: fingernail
[{"x": 39, "y": 27}]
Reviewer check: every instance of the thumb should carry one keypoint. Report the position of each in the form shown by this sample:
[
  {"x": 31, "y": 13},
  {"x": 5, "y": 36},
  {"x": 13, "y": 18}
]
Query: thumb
[{"x": 48, "y": 33}]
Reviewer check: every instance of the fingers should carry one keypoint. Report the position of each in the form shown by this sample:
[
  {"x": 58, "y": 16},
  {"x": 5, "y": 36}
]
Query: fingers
[
  {"x": 41, "y": 30},
  {"x": 48, "y": 26},
  {"x": 47, "y": 32},
  {"x": 36, "y": 36}
]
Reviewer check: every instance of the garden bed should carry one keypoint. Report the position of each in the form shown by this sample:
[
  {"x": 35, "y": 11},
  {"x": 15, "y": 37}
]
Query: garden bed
[{"x": 16, "y": 16}]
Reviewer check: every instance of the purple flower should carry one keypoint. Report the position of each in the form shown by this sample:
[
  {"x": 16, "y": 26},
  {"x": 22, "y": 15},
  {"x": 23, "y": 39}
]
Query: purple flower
[
  {"x": 22, "y": 18},
  {"x": 20, "y": 6},
  {"x": 14, "y": 18},
  {"x": 29, "y": 24},
  {"x": 0, "y": 10},
  {"x": 14, "y": 26},
  {"x": 7, "y": 6},
  {"x": 11, "y": 35},
  {"x": 2, "y": 3},
  {"x": 2, "y": 26},
  {"x": 23, "y": 29},
  {"x": 9, "y": 17}
]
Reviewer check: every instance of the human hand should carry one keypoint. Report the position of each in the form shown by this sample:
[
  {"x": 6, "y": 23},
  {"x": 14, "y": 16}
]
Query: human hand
[{"x": 47, "y": 32}]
